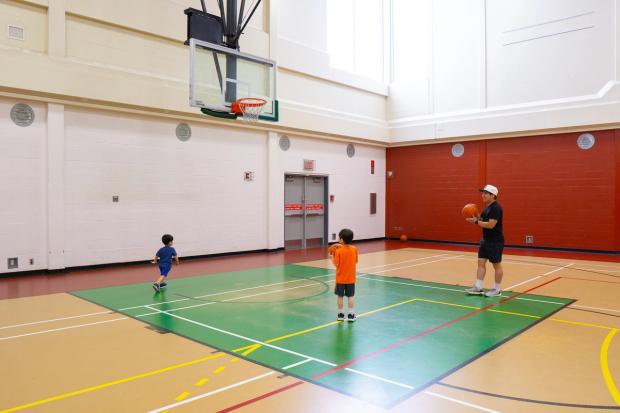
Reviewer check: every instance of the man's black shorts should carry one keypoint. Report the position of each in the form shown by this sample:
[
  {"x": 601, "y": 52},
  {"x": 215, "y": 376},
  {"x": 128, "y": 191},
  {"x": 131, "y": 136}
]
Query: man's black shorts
[
  {"x": 492, "y": 251},
  {"x": 342, "y": 290}
]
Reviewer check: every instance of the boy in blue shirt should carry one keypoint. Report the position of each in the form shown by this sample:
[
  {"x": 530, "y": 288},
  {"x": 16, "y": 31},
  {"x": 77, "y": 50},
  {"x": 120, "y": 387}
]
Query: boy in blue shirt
[{"x": 164, "y": 256}]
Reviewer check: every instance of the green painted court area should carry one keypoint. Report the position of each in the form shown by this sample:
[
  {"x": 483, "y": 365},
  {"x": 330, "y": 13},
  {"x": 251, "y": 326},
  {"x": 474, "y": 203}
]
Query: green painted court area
[{"x": 408, "y": 335}]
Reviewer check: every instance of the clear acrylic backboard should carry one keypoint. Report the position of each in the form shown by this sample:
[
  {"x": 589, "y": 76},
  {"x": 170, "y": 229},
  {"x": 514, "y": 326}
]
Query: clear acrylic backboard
[{"x": 220, "y": 75}]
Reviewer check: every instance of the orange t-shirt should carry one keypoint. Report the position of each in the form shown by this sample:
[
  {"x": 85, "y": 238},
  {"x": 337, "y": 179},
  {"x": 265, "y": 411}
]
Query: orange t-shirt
[{"x": 345, "y": 259}]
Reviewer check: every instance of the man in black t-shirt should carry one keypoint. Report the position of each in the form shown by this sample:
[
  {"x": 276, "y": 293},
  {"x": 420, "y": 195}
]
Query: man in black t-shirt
[{"x": 492, "y": 243}]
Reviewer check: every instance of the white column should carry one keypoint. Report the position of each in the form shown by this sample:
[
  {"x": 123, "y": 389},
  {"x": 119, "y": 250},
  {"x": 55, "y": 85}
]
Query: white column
[
  {"x": 57, "y": 30},
  {"x": 275, "y": 193},
  {"x": 55, "y": 186}
]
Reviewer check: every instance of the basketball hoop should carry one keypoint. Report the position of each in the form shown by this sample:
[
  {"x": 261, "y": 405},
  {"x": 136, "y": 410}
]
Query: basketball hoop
[{"x": 249, "y": 108}]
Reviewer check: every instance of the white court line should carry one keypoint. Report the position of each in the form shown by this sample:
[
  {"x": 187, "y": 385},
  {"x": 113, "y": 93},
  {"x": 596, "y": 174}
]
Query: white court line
[
  {"x": 372, "y": 376},
  {"x": 401, "y": 262},
  {"x": 299, "y": 363},
  {"x": 540, "y": 276},
  {"x": 475, "y": 406},
  {"x": 539, "y": 301},
  {"x": 225, "y": 292},
  {"x": 594, "y": 308},
  {"x": 553, "y": 264},
  {"x": 252, "y": 295},
  {"x": 63, "y": 328},
  {"x": 208, "y": 295},
  {"x": 331, "y": 273},
  {"x": 304, "y": 356},
  {"x": 56, "y": 319},
  {"x": 211, "y": 393},
  {"x": 230, "y": 299},
  {"x": 416, "y": 265},
  {"x": 462, "y": 291}
]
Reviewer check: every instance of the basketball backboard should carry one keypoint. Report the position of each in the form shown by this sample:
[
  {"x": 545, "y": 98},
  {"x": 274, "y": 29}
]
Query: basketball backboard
[{"x": 220, "y": 75}]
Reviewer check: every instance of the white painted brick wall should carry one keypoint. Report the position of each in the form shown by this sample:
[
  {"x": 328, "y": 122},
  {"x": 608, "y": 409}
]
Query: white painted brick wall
[{"x": 22, "y": 189}]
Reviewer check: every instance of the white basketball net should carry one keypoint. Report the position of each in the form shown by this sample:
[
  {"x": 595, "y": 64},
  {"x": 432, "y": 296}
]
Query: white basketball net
[{"x": 251, "y": 108}]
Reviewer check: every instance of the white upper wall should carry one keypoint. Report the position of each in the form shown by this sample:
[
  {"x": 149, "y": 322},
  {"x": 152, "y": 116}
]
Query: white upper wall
[
  {"x": 303, "y": 22},
  {"x": 548, "y": 50},
  {"x": 503, "y": 67}
]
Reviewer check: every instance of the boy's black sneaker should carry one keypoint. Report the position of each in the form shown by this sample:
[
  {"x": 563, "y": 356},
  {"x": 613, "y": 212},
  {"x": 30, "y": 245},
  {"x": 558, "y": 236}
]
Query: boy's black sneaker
[
  {"x": 156, "y": 287},
  {"x": 162, "y": 285},
  {"x": 340, "y": 317},
  {"x": 351, "y": 317}
]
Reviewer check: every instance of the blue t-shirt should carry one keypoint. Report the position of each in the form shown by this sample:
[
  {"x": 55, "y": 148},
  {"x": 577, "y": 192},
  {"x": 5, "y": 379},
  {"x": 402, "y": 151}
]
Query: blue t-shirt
[{"x": 165, "y": 255}]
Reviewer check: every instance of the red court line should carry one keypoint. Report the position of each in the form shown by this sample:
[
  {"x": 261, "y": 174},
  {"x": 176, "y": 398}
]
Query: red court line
[
  {"x": 264, "y": 396},
  {"x": 384, "y": 349},
  {"x": 424, "y": 333}
]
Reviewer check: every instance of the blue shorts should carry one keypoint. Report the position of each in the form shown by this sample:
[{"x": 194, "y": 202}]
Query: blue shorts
[{"x": 164, "y": 269}]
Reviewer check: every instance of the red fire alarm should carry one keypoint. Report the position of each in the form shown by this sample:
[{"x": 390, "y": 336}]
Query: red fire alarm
[{"x": 372, "y": 166}]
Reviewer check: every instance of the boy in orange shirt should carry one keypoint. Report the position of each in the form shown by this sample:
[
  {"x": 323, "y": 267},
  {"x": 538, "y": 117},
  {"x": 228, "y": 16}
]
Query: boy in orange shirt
[{"x": 344, "y": 257}]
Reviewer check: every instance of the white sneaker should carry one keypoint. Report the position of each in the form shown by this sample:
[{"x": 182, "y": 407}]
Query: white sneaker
[
  {"x": 474, "y": 291},
  {"x": 494, "y": 293}
]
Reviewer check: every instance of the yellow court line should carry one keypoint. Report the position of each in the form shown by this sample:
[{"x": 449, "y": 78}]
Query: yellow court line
[
  {"x": 471, "y": 307},
  {"x": 297, "y": 333},
  {"x": 219, "y": 369},
  {"x": 253, "y": 347},
  {"x": 336, "y": 322},
  {"x": 112, "y": 383},
  {"x": 182, "y": 396},
  {"x": 513, "y": 313},
  {"x": 202, "y": 381},
  {"x": 579, "y": 323},
  {"x": 248, "y": 349},
  {"x": 609, "y": 380}
]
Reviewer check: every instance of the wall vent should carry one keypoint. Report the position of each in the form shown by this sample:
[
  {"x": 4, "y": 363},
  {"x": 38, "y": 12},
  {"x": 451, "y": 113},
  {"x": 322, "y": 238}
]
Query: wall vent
[{"x": 16, "y": 32}]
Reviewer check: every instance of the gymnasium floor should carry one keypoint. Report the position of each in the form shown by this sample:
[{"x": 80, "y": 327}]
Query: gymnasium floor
[{"x": 257, "y": 332}]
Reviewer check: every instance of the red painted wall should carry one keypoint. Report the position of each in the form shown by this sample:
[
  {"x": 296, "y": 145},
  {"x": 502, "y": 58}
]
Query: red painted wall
[{"x": 564, "y": 196}]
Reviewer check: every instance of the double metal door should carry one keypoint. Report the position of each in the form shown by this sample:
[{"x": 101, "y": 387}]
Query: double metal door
[{"x": 305, "y": 223}]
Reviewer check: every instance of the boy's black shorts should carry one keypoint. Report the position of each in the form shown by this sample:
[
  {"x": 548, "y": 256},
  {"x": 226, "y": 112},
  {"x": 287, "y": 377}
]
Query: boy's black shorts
[
  {"x": 491, "y": 251},
  {"x": 347, "y": 290}
]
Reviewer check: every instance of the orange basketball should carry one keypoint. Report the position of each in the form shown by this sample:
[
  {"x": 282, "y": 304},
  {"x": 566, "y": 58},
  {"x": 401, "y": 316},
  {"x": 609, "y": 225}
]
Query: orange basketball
[
  {"x": 403, "y": 238},
  {"x": 332, "y": 248},
  {"x": 470, "y": 211}
]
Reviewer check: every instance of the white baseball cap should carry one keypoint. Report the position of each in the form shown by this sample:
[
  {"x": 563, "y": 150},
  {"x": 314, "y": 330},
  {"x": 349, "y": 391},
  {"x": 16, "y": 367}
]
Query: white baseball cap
[{"x": 490, "y": 189}]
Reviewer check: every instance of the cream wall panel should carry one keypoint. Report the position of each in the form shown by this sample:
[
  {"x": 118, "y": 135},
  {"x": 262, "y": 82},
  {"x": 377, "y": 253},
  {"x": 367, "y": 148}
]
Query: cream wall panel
[
  {"x": 311, "y": 91},
  {"x": 312, "y": 103},
  {"x": 99, "y": 43},
  {"x": 165, "y": 18},
  {"x": 161, "y": 17},
  {"x": 23, "y": 185},
  {"x": 32, "y": 18}
]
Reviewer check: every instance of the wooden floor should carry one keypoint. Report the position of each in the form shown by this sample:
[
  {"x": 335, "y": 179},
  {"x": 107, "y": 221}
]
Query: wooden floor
[{"x": 60, "y": 353}]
